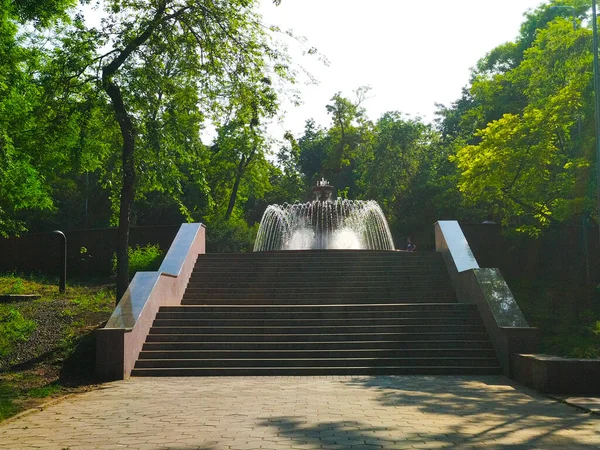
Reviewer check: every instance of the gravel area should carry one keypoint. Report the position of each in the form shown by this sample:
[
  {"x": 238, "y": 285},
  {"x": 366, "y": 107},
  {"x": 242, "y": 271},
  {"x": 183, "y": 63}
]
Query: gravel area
[{"x": 52, "y": 323}]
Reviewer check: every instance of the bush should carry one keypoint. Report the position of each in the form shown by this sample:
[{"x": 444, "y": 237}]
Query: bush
[
  {"x": 146, "y": 258},
  {"x": 229, "y": 236}
]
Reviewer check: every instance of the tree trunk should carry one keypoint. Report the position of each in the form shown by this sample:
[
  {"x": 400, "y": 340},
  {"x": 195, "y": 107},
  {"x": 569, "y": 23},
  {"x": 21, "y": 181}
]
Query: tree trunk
[
  {"x": 236, "y": 186},
  {"x": 128, "y": 188},
  {"x": 127, "y": 131}
]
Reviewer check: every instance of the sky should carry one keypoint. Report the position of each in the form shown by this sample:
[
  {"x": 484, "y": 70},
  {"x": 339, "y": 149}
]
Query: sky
[{"x": 413, "y": 54}]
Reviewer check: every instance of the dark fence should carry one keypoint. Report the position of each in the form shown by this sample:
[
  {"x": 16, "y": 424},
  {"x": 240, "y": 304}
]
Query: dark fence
[
  {"x": 566, "y": 253},
  {"x": 89, "y": 252}
]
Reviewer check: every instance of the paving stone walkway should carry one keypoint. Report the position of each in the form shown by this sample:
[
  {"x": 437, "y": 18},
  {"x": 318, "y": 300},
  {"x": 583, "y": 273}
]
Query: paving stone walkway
[{"x": 306, "y": 413}]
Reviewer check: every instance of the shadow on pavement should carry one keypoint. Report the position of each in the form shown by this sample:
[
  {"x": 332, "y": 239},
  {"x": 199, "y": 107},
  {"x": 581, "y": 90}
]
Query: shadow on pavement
[
  {"x": 488, "y": 410},
  {"x": 341, "y": 434}
]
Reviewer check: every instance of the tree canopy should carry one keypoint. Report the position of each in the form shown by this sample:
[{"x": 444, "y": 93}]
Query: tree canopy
[{"x": 106, "y": 123}]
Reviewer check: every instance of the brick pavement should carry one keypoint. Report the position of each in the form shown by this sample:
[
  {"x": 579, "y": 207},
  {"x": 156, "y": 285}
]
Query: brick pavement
[{"x": 401, "y": 412}]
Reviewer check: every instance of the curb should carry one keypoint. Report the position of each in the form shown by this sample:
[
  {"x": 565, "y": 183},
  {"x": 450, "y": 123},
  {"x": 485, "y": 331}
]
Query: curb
[{"x": 574, "y": 405}]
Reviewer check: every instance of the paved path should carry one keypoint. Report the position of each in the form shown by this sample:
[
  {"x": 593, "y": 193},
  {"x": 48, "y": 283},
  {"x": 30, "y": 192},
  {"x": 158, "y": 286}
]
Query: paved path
[{"x": 306, "y": 413}]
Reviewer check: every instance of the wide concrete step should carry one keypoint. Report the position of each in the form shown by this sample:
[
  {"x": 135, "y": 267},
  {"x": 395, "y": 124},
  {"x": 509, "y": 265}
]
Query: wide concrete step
[
  {"x": 434, "y": 345},
  {"x": 316, "y": 323},
  {"x": 314, "y": 329},
  {"x": 323, "y": 294},
  {"x": 329, "y": 255},
  {"x": 321, "y": 259},
  {"x": 360, "y": 308},
  {"x": 319, "y": 268},
  {"x": 325, "y": 285},
  {"x": 309, "y": 300},
  {"x": 366, "y": 292},
  {"x": 322, "y": 315},
  {"x": 312, "y": 362},
  {"x": 303, "y": 283},
  {"x": 293, "y": 278},
  {"x": 315, "y": 371},
  {"x": 349, "y": 260},
  {"x": 156, "y": 336},
  {"x": 318, "y": 354}
]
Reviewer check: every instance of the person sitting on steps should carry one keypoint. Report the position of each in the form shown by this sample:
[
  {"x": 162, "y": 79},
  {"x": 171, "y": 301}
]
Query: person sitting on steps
[{"x": 410, "y": 245}]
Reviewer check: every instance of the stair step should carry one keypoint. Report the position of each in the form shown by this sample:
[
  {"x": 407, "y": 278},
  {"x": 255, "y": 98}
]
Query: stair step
[
  {"x": 414, "y": 345},
  {"x": 344, "y": 257},
  {"x": 309, "y": 309},
  {"x": 312, "y": 362},
  {"x": 303, "y": 283},
  {"x": 316, "y": 329},
  {"x": 314, "y": 316},
  {"x": 315, "y": 323},
  {"x": 308, "y": 288},
  {"x": 325, "y": 269},
  {"x": 304, "y": 371},
  {"x": 317, "y": 354},
  {"x": 308, "y": 300},
  {"x": 155, "y": 336}
]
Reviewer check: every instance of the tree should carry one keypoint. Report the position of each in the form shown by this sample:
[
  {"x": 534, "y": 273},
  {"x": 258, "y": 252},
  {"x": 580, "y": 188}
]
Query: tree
[
  {"x": 22, "y": 174},
  {"x": 333, "y": 153},
  {"x": 217, "y": 47},
  {"x": 533, "y": 165}
]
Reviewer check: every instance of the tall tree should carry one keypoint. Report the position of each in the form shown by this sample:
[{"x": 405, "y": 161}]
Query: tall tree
[
  {"x": 532, "y": 165},
  {"x": 22, "y": 174},
  {"x": 218, "y": 46}
]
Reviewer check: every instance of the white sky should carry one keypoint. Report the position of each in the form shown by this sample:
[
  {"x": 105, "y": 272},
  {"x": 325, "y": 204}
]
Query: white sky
[{"x": 412, "y": 53}]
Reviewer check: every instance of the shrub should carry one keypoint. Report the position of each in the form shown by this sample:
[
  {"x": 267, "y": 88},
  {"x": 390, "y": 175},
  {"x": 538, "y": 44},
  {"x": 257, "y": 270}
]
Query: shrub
[
  {"x": 146, "y": 258},
  {"x": 233, "y": 235}
]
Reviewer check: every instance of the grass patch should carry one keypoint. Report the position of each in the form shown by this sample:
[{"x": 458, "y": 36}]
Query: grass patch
[
  {"x": 47, "y": 346},
  {"x": 14, "y": 328},
  {"x": 44, "y": 391},
  {"x": 8, "y": 395}
]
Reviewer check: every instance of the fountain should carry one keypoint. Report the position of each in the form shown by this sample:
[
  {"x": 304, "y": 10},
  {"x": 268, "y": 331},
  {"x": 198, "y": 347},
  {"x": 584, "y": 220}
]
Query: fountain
[{"x": 324, "y": 224}]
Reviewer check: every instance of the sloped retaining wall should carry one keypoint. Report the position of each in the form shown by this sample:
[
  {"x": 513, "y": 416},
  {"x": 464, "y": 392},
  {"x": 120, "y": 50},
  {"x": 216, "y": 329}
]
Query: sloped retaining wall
[
  {"x": 119, "y": 343},
  {"x": 503, "y": 320}
]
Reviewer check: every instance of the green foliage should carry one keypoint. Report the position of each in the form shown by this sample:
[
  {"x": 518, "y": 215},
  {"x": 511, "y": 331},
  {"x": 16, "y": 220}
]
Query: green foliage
[
  {"x": 146, "y": 258},
  {"x": 13, "y": 328},
  {"x": 230, "y": 236},
  {"x": 398, "y": 161},
  {"x": 530, "y": 160}
]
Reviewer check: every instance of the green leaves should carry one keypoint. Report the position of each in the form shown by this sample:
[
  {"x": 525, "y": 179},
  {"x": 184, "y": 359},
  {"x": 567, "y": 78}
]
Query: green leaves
[{"x": 531, "y": 165}]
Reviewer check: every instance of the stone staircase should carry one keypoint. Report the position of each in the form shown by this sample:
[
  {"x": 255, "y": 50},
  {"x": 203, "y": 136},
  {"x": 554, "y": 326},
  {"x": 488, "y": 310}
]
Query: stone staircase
[{"x": 318, "y": 313}]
